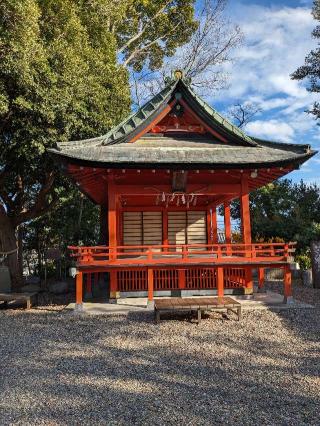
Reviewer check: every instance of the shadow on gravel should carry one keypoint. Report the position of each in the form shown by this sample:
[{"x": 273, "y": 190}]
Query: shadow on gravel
[{"x": 64, "y": 369}]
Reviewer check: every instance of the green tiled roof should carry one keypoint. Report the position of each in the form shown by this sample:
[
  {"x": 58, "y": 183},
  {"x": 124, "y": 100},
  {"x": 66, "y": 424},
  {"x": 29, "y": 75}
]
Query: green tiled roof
[
  {"x": 137, "y": 118},
  {"x": 122, "y": 132},
  {"x": 220, "y": 119},
  {"x": 114, "y": 150}
]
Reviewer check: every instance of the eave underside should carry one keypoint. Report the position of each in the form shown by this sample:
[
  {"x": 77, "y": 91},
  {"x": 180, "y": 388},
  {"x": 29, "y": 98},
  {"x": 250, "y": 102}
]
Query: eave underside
[{"x": 93, "y": 182}]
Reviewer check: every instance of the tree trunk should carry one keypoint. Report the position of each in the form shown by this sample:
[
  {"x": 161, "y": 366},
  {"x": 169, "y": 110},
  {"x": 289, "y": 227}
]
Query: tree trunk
[
  {"x": 9, "y": 244},
  {"x": 20, "y": 248}
]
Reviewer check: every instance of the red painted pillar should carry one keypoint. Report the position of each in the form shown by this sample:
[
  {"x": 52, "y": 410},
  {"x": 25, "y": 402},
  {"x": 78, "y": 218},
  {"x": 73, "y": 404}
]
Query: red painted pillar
[
  {"x": 212, "y": 225},
  {"x": 165, "y": 238},
  {"x": 150, "y": 285},
  {"x": 261, "y": 276},
  {"x": 287, "y": 285},
  {"x": 112, "y": 227},
  {"x": 227, "y": 222},
  {"x": 220, "y": 283},
  {"x": 79, "y": 291},
  {"x": 246, "y": 229},
  {"x": 245, "y": 210},
  {"x": 114, "y": 293},
  {"x": 182, "y": 279},
  {"x": 227, "y": 226}
]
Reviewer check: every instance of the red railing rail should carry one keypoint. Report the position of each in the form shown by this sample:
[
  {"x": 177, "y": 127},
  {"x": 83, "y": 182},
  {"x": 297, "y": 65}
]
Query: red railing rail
[{"x": 183, "y": 253}]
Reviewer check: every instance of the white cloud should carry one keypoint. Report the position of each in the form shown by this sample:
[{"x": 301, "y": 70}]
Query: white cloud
[
  {"x": 276, "y": 43},
  {"x": 271, "y": 129},
  {"x": 277, "y": 40}
]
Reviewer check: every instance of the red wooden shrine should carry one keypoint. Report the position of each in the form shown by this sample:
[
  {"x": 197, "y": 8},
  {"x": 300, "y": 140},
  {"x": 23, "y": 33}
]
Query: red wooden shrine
[{"x": 161, "y": 175}]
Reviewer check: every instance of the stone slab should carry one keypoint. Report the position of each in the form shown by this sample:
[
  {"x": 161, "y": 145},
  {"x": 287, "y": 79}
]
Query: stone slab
[{"x": 259, "y": 301}]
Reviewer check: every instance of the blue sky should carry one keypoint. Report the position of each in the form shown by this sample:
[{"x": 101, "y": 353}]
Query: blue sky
[{"x": 277, "y": 39}]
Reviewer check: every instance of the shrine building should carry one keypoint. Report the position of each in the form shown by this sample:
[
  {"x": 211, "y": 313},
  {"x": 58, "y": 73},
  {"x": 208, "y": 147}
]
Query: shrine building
[{"x": 161, "y": 176}]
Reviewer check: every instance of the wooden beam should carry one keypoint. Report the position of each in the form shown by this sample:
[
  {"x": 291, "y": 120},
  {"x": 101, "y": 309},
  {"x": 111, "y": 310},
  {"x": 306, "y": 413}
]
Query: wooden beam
[{"x": 211, "y": 189}]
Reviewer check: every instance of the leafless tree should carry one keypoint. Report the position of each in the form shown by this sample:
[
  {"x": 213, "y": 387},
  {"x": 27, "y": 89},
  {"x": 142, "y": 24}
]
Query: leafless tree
[
  {"x": 242, "y": 113},
  {"x": 201, "y": 59}
]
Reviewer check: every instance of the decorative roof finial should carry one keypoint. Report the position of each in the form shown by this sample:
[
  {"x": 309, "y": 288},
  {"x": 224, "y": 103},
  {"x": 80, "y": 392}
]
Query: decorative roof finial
[{"x": 177, "y": 74}]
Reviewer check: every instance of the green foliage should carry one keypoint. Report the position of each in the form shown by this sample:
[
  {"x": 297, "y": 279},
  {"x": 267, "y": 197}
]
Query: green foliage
[
  {"x": 304, "y": 260},
  {"x": 311, "y": 68},
  {"x": 286, "y": 210},
  {"x": 57, "y": 83},
  {"x": 149, "y": 30},
  {"x": 75, "y": 221}
]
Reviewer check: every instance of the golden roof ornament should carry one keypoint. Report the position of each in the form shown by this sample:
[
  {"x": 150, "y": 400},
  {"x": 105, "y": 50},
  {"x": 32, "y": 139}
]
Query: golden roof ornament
[{"x": 178, "y": 74}]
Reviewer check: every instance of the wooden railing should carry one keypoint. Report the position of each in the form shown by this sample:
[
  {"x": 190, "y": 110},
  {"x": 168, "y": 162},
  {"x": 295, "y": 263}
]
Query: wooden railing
[{"x": 183, "y": 254}]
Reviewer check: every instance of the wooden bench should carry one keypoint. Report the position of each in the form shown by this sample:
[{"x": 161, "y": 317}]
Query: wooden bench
[
  {"x": 16, "y": 297},
  {"x": 198, "y": 304}
]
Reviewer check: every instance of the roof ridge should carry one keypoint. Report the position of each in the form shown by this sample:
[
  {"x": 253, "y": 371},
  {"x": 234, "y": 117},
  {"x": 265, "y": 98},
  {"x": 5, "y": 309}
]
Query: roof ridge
[
  {"x": 269, "y": 142},
  {"x": 222, "y": 120},
  {"x": 161, "y": 96},
  {"x": 76, "y": 143}
]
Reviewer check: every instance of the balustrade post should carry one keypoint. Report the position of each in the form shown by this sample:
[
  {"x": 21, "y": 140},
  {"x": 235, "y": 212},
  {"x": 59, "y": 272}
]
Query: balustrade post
[
  {"x": 184, "y": 252},
  {"x": 218, "y": 252},
  {"x": 150, "y": 285},
  {"x": 253, "y": 251}
]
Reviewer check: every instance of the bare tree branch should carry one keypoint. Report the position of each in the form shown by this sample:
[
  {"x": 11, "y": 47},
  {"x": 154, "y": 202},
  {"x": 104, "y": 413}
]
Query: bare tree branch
[
  {"x": 242, "y": 114},
  {"x": 202, "y": 58}
]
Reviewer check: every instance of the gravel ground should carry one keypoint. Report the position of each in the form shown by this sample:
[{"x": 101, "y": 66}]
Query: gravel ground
[{"x": 62, "y": 369}]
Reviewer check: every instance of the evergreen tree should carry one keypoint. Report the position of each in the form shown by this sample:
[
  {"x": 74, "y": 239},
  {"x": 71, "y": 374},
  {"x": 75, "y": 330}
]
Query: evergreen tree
[
  {"x": 60, "y": 79},
  {"x": 311, "y": 68},
  {"x": 55, "y": 85},
  {"x": 286, "y": 210}
]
